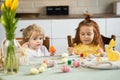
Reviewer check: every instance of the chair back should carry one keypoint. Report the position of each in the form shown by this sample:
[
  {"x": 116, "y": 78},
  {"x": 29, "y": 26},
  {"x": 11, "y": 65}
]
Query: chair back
[{"x": 105, "y": 40}]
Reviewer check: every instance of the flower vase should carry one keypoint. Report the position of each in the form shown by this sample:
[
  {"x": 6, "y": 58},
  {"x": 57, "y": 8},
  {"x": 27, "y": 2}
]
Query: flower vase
[{"x": 10, "y": 50}]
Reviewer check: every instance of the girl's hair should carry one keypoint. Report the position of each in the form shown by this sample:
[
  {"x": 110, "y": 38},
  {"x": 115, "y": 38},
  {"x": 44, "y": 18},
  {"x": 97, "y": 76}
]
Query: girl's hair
[
  {"x": 88, "y": 22},
  {"x": 30, "y": 30}
]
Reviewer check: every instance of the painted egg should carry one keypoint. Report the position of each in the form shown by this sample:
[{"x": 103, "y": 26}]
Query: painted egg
[
  {"x": 51, "y": 64},
  {"x": 76, "y": 63},
  {"x": 41, "y": 69},
  {"x": 64, "y": 60},
  {"x": 81, "y": 55},
  {"x": 64, "y": 55},
  {"x": 65, "y": 69},
  {"x": 34, "y": 71},
  {"x": 44, "y": 65}
]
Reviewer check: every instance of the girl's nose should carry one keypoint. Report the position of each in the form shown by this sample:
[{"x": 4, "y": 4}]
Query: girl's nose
[{"x": 85, "y": 36}]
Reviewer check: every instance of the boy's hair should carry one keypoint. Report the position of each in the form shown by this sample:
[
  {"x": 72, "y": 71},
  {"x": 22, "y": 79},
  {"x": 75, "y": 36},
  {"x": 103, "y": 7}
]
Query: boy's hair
[
  {"x": 30, "y": 30},
  {"x": 88, "y": 22}
]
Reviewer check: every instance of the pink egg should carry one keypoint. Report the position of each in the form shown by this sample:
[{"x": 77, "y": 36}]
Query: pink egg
[
  {"x": 76, "y": 63},
  {"x": 65, "y": 69}
]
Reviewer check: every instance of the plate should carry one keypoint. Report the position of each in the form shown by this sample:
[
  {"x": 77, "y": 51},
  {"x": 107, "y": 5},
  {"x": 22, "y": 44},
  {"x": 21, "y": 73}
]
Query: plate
[{"x": 101, "y": 65}]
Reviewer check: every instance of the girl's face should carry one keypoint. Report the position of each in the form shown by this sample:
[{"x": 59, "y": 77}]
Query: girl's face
[
  {"x": 35, "y": 42},
  {"x": 86, "y": 34}
]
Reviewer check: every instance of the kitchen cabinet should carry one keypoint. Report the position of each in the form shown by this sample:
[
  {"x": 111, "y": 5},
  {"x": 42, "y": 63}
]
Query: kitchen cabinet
[
  {"x": 58, "y": 29},
  {"x": 45, "y": 24},
  {"x": 102, "y": 24},
  {"x": 63, "y": 27},
  {"x": 113, "y": 27}
]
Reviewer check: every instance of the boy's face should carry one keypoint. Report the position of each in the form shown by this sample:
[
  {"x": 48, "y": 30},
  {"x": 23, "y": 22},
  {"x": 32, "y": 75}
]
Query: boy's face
[
  {"x": 86, "y": 35},
  {"x": 35, "y": 42}
]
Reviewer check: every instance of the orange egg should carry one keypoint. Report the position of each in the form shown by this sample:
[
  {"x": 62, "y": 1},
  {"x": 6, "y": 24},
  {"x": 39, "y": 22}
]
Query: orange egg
[{"x": 52, "y": 50}]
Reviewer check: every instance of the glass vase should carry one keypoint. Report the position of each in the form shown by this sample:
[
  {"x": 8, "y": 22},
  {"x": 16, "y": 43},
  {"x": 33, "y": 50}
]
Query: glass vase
[{"x": 10, "y": 50}]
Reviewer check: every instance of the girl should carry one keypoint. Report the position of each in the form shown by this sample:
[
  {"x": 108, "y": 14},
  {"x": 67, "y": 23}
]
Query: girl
[
  {"x": 33, "y": 41},
  {"x": 87, "y": 39}
]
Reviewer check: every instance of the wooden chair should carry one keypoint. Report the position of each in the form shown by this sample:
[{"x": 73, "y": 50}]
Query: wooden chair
[
  {"x": 46, "y": 41},
  {"x": 105, "y": 40}
]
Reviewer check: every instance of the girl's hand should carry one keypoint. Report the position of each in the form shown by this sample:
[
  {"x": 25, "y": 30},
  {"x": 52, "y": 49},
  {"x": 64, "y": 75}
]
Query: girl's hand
[
  {"x": 100, "y": 50},
  {"x": 70, "y": 50}
]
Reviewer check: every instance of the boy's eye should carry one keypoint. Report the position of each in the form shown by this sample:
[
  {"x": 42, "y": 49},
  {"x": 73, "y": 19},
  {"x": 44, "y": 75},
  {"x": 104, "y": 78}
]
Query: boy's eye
[
  {"x": 34, "y": 38},
  {"x": 40, "y": 38}
]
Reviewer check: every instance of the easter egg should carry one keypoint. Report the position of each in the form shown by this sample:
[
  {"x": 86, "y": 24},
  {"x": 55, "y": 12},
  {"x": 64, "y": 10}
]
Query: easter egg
[
  {"x": 81, "y": 55},
  {"x": 64, "y": 55},
  {"x": 51, "y": 64},
  {"x": 44, "y": 65},
  {"x": 34, "y": 71},
  {"x": 52, "y": 50},
  {"x": 64, "y": 60},
  {"x": 76, "y": 63},
  {"x": 41, "y": 69},
  {"x": 65, "y": 69},
  {"x": 69, "y": 62}
]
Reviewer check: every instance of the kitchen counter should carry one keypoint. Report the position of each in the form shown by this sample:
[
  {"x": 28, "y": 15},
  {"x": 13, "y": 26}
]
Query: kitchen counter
[{"x": 38, "y": 16}]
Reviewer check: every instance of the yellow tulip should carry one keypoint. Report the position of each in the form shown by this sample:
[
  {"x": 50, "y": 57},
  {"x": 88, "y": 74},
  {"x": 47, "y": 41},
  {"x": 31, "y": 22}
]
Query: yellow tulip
[
  {"x": 14, "y": 5},
  {"x": 2, "y": 6},
  {"x": 8, "y": 3}
]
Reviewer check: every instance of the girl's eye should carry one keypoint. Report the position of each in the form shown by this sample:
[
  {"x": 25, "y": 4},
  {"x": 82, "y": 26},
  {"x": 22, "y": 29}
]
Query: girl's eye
[
  {"x": 82, "y": 34},
  {"x": 89, "y": 34}
]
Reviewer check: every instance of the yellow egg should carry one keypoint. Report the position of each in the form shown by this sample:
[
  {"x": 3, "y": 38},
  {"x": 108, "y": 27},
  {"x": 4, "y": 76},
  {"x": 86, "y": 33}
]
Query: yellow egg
[
  {"x": 34, "y": 71},
  {"x": 64, "y": 55},
  {"x": 44, "y": 65},
  {"x": 64, "y": 60},
  {"x": 41, "y": 69}
]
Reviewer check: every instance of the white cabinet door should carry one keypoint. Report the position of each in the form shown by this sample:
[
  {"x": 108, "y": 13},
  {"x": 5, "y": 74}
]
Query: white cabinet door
[
  {"x": 101, "y": 24},
  {"x": 60, "y": 29},
  {"x": 113, "y": 26},
  {"x": 118, "y": 44},
  {"x": 60, "y": 45},
  {"x": 63, "y": 27},
  {"x": 2, "y": 33},
  {"x": 45, "y": 24}
]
